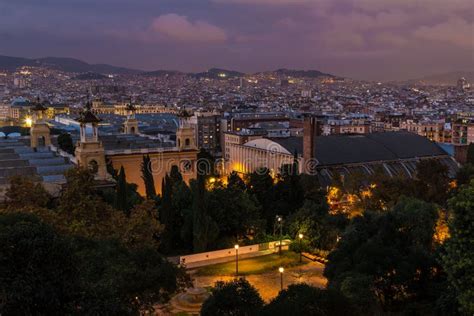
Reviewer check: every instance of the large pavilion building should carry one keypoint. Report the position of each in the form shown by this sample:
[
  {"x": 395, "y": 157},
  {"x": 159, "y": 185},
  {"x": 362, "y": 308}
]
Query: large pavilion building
[{"x": 395, "y": 153}]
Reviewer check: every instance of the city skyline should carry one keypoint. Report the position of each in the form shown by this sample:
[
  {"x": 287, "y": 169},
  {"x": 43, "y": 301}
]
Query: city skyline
[{"x": 388, "y": 40}]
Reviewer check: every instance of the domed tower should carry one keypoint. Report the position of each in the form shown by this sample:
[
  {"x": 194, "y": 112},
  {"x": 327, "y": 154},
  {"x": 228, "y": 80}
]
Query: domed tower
[
  {"x": 185, "y": 136},
  {"x": 89, "y": 150},
  {"x": 131, "y": 124},
  {"x": 39, "y": 132}
]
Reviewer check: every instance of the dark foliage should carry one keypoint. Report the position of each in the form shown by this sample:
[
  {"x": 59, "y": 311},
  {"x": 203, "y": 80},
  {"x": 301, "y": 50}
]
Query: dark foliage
[
  {"x": 237, "y": 298},
  {"x": 302, "y": 299}
]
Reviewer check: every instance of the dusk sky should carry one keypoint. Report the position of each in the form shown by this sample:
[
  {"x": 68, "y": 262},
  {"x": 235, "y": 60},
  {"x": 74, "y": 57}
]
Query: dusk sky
[{"x": 364, "y": 39}]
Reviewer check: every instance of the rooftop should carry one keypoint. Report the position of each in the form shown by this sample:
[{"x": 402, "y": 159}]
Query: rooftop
[{"x": 347, "y": 149}]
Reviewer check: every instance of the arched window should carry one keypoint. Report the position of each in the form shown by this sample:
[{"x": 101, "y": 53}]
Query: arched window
[
  {"x": 132, "y": 130},
  {"x": 187, "y": 141},
  {"x": 93, "y": 166},
  {"x": 179, "y": 142},
  {"x": 41, "y": 141}
]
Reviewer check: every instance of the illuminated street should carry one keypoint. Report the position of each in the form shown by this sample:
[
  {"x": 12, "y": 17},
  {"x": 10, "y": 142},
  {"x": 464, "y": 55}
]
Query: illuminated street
[{"x": 268, "y": 284}]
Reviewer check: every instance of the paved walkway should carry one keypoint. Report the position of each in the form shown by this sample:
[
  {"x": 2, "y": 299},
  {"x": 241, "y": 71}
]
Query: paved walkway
[{"x": 268, "y": 284}]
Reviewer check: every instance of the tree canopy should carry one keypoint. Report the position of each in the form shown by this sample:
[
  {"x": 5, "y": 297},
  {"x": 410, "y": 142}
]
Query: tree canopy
[
  {"x": 458, "y": 261},
  {"x": 43, "y": 272},
  {"x": 237, "y": 297},
  {"x": 303, "y": 299},
  {"x": 388, "y": 258}
]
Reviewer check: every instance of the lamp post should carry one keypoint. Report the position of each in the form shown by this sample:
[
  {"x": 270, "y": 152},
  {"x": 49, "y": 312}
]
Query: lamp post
[
  {"x": 236, "y": 260},
  {"x": 300, "y": 236},
  {"x": 280, "y": 222},
  {"x": 281, "y": 270}
]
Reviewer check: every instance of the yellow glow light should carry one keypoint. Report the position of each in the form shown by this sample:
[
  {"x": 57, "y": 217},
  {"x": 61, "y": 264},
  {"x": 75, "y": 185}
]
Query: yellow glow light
[{"x": 28, "y": 121}]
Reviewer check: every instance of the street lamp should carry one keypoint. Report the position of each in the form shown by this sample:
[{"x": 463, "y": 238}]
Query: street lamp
[
  {"x": 236, "y": 260},
  {"x": 280, "y": 222},
  {"x": 300, "y": 236},
  {"x": 281, "y": 270}
]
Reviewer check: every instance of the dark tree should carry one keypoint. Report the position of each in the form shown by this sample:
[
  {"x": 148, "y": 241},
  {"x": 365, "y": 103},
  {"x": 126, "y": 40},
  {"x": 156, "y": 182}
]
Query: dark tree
[
  {"x": 465, "y": 174},
  {"x": 166, "y": 214},
  {"x": 38, "y": 271},
  {"x": 388, "y": 191},
  {"x": 205, "y": 163},
  {"x": 174, "y": 210},
  {"x": 125, "y": 196},
  {"x": 65, "y": 143},
  {"x": 121, "y": 192},
  {"x": 24, "y": 193},
  {"x": 237, "y": 213},
  {"x": 147, "y": 177},
  {"x": 432, "y": 181},
  {"x": 389, "y": 259},
  {"x": 458, "y": 260},
  {"x": 119, "y": 281},
  {"x": 82, "y": 211},
  {"x": 260, "y": 185},
  {"x": 205, "y": 230},
  {"x": 302, "y": 299},
  {"x": 289, "y": 192},
  {"x": 234, "y": 182},
  {"x": 237, "y": 297},
  {"x": 319, "y": 227}
]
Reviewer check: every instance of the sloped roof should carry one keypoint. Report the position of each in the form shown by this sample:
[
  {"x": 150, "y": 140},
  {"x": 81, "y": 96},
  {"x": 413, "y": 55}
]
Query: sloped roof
[
  {"x": 88, "y": 117},
  {"x": 346, "y": 149}
]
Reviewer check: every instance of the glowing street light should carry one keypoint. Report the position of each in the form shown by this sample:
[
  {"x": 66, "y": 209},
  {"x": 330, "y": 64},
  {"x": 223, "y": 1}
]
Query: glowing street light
[
  {"x": 236, "y": 260},
  {"x": 281, "y": 270},
  {"x": 300, "y": 236},
  {"x": 280, "y": 222}
]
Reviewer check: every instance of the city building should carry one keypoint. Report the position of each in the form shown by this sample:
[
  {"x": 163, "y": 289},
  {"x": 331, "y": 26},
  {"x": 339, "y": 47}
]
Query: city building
[
  {"x": 395, "y": 153},
  {"x": 208, "y": 130}
]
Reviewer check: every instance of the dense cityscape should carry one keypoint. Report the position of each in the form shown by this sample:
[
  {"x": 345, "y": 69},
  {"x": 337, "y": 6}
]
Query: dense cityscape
[{"x": 290, "y": 191}]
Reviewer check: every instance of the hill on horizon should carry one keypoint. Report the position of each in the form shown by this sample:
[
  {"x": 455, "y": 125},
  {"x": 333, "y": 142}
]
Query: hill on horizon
[
  {"x": 62, "y": 64},
  {"x": 78, "y": 66},
  {"x": 444, "y": 79}
]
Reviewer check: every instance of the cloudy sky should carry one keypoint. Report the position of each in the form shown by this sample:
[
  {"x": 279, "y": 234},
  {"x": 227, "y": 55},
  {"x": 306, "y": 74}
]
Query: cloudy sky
[{"x": 367, "y": 39}]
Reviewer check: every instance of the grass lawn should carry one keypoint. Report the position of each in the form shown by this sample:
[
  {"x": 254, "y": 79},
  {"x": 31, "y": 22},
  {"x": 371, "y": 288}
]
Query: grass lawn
[{"x": 255, "y": 265}]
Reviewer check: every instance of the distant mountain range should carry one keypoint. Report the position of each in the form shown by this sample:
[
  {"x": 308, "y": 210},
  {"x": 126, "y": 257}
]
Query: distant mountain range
[
  {"x": 63, "y": 64},
  {"x": 90, "y": 76},
  {"x": 218, "y": 73},
  {"x": 301, "y": 73},
  {"x": 96, "y": 71},
  {"x": 444, "y": 79}
]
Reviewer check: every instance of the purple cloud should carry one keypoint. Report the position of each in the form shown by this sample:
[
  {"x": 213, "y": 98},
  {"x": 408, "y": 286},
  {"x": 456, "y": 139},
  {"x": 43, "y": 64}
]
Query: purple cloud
[
  {"x": 369, "y": 39},
  {"x": 178, "y": 27}
]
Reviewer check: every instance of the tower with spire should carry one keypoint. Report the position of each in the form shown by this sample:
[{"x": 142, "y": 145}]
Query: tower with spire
[
  {"x": 131, "y": 124},
  {"x": 185, "y": 135},
  {"x": 89, "y": 150},
  {"x": 39, "y": 132}
]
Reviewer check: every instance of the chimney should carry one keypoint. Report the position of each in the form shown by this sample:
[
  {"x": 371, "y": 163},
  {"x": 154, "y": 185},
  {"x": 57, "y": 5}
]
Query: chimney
[
  {"x": 311, "y": 129},
  {"x": 460, "y": 153}
]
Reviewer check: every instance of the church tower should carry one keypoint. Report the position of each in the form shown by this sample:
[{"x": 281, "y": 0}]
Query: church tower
[
  {"x": 185, "y": 138},
  {"x": 89, "y": 150},
  {"x": 39, "y": 132},
  {"x": 131, "y": 124}
]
